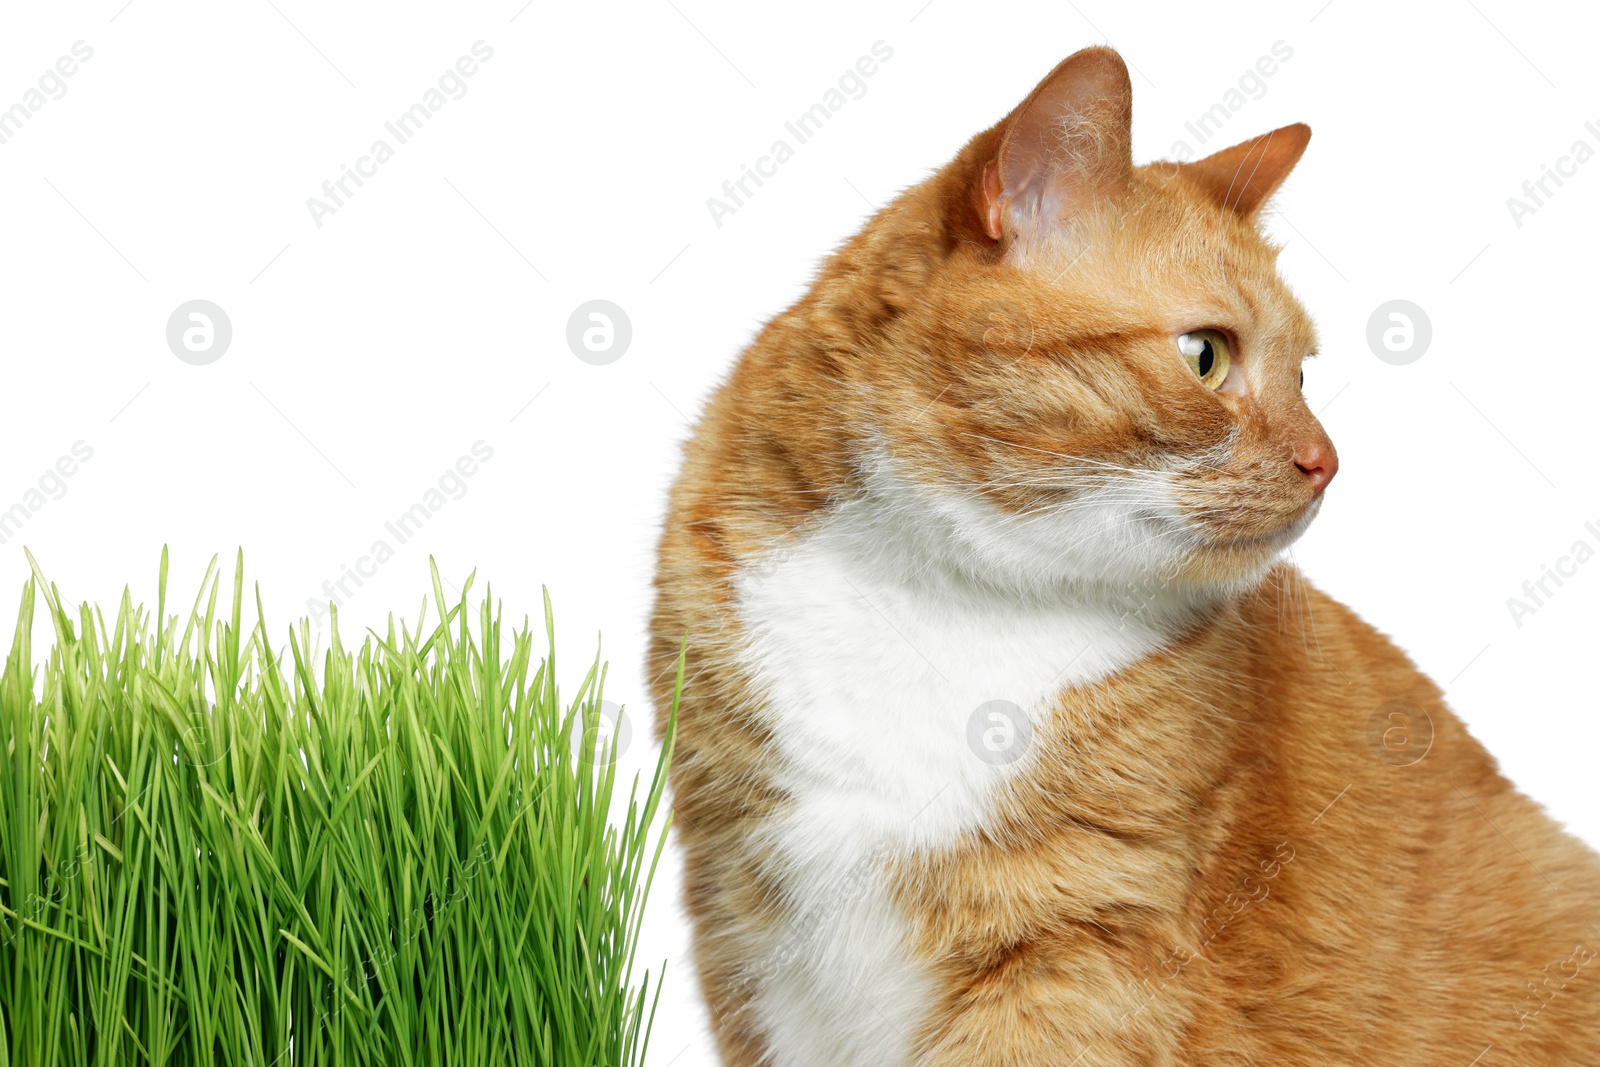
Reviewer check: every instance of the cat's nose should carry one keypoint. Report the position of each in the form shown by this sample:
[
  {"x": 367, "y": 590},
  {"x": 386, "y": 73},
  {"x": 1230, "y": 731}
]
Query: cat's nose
[{"x": 1317, "y": 461}]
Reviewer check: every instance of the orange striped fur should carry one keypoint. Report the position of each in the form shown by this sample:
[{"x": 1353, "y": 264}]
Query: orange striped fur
[{"x": 968, "y": 489}]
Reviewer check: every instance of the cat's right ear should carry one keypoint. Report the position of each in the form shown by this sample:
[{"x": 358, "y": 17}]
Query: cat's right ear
[{"x": 1065, "y": 148}]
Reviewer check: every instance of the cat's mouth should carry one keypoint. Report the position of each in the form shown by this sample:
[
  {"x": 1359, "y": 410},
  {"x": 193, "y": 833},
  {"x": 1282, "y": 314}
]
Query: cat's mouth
[{"x": 1274, "y": 540}]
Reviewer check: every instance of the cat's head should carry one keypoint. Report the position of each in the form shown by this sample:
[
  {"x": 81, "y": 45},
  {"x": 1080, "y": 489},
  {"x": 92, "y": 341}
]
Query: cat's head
[{"x": 1096, "y": 374}]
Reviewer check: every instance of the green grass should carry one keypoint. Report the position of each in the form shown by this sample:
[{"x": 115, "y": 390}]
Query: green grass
[{"x": 211, "y": 852}]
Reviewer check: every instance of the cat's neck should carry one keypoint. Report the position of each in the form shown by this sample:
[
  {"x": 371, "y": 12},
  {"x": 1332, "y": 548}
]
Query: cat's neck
[{"x": 881, "y": 623}]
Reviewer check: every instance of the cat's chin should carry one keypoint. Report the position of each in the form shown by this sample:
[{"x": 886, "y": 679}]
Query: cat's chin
[{"x": 1235, "y": 558}]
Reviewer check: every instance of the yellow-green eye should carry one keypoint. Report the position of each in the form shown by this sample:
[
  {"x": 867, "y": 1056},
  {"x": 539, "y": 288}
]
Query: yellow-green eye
[{"x": 1206, "y": 352}]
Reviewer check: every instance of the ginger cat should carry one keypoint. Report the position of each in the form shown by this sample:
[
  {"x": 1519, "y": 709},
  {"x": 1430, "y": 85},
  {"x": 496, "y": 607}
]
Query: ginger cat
[{"x": 1007, "y": 738}]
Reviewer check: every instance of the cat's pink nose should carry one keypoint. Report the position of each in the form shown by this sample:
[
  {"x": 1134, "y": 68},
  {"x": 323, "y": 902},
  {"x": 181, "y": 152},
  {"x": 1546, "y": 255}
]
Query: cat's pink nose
[{"x": 1318, "y": 462}]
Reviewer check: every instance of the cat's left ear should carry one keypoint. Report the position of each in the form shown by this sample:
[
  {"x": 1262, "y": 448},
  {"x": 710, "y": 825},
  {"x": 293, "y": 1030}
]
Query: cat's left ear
[
  {"x": 1239, "y": 179},
  {"x": 1066, "y": 148}
]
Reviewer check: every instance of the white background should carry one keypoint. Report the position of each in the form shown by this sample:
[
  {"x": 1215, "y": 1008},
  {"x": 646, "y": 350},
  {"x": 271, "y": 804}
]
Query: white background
[{"x": 425, "y": 315}]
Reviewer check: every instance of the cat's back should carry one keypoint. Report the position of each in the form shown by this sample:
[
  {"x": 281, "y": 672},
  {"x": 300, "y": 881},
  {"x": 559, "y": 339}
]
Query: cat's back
[{"x": 1377, "y": 933}]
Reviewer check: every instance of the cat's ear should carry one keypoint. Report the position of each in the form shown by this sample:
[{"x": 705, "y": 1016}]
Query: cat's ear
[
  {"x": 1239, "y": 179},
  {"x": 1065, "y": 148}
]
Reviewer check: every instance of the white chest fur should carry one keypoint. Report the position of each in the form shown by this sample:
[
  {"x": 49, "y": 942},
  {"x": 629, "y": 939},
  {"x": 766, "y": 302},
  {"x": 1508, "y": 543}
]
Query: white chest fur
[{"x": 880, "y": 678}]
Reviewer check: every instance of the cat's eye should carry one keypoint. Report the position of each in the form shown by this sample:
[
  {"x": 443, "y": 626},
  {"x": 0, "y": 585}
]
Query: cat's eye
[{"x": 1206, "y": 352}]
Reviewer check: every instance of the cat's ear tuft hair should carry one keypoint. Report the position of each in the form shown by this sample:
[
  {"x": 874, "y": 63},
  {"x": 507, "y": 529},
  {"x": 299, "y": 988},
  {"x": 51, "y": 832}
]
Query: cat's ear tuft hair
[
  {"x": 1239, "y": 179},
  {"x": 1064, "y": 148}
]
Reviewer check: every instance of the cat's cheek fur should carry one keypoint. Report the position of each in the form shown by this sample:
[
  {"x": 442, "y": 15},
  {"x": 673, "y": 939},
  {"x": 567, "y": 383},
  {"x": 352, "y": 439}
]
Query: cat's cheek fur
[
  {"x": 1121, "y": 543},
  {"x": 869, "y": 686}
]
